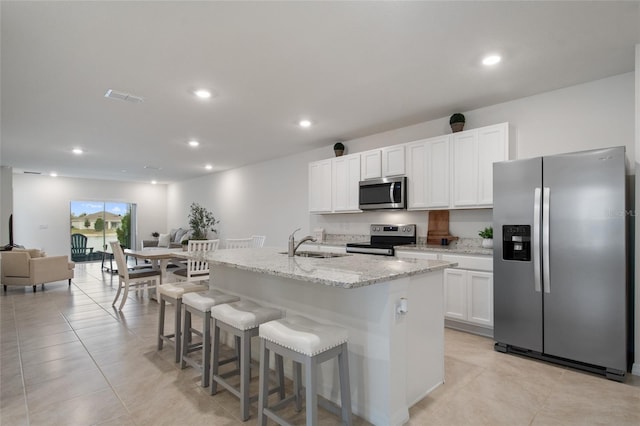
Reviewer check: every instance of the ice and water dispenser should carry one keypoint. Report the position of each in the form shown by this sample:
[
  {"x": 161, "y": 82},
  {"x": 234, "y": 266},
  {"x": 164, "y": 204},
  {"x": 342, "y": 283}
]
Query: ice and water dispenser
[{"x": 516, "y": 242}]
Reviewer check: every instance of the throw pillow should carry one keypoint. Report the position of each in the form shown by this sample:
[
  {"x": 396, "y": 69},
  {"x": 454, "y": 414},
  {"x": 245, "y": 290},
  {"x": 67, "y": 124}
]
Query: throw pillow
[
  {"x": 179, "y": 235},
  {"x": 164, "y": 240}
]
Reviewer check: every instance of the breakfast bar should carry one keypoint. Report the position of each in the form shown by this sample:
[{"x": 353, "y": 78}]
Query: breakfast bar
[{"x": 392, "y": 308}]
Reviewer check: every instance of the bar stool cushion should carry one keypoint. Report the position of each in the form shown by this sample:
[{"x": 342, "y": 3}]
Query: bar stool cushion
[
  {"x": 244, "y": 314},
  {"x": 204, "y": 301},
  {"x": 176, "y": 290},
  {"x": 303, "y": 335}
]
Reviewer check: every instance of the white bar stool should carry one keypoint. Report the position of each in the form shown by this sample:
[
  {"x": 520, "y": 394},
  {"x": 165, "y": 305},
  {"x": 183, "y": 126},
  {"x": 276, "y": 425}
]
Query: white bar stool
[
  {"x": 173, "y": 293},
  {"x": 200, "y": 304},
  {"x": 242, "y": 320},
  {"x": 312, "y": 343}
]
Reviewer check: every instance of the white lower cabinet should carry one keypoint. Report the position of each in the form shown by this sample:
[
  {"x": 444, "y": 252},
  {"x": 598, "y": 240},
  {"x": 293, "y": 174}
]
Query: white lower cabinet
[{"x": 468, "y": 296}]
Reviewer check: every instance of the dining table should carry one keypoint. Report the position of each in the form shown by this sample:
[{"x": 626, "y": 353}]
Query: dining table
[{"x": 159, "y": 257}]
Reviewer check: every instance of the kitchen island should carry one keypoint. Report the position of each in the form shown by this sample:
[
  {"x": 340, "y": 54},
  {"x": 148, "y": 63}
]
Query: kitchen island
[{"x": 395, "y": 358}]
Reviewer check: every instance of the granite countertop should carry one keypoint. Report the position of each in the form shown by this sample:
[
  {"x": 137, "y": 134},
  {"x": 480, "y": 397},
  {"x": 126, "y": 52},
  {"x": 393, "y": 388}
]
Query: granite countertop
[
  {"x": 350, "y": 271},
  {"x": 453, "y": 248},
  {"x": 450, "y": 249}
]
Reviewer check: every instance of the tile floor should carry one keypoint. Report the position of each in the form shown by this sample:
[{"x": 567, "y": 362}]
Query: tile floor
[{"x": 68, "y": 358}]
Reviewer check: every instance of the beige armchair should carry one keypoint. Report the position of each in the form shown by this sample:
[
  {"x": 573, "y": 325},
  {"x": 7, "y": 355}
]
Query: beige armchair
[{"x": 32, "y": 267}]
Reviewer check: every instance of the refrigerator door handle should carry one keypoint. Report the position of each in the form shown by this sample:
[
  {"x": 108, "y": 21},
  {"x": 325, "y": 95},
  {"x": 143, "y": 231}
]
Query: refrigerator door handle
[
  {"x": 545, "y": 240},
  {"x": 536, "y": 239}
]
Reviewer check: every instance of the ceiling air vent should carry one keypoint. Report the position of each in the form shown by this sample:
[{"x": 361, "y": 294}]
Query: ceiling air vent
[
  {"x": 128, "y": 97},
  {"x": 26, "y": 172}
]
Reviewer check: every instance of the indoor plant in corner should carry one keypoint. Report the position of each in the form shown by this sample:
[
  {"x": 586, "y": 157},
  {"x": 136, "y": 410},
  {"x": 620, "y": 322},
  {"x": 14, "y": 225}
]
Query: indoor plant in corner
[
  {"x": 487, "y": 237},
  {"x": 201, "y": 221}
]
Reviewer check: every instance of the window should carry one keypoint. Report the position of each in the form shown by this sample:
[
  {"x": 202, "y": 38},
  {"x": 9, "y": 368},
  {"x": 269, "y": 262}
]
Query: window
[{"x": 98, "y": 223}]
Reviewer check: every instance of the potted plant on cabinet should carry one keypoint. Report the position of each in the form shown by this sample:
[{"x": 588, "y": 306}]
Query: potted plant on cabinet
[
  {"x": 338, "y": 148},
  {"x": 487, "y": 237},
  {"x": 457, "y": 121}
]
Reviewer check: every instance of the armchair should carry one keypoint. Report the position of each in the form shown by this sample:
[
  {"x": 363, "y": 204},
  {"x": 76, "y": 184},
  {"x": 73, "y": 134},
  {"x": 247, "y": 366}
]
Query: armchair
[{"x": 32, "y": 267}]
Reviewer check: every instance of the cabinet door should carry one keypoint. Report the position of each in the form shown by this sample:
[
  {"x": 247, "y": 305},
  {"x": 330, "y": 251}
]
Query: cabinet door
[
  {"x": 346, "y": 176},
  {"x": 427, "y": 164},
  {"x": 465, "y": 169},
  {"x": 437, "y": 184},
  {"x": 455, "y": 294},
  {"x": 417, "y": 175},
  {"x": 492, "y": 147},
  {"x": 480, "y": 297},
  {"x": 371, "y": 166},
  {"x": 320, "y": 186},
  {"x": 393, "y": 161}
]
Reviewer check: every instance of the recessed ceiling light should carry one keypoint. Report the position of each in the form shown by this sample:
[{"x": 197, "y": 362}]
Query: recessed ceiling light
[
  {"x": 153, "y": 182},
  {"x": 53, "y": 174},
  {"x": 208, "y": 167},
  {"x": 77, "y": 151},
  {"x": 203, "y": 93},
  {"x": 304, "y": 123},
  {"x": 194, "y": 143},
  {"x": 491, "y": 60}
]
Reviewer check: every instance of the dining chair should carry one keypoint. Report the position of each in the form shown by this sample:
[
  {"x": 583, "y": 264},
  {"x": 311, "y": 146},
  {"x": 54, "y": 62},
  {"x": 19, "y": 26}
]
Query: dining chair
[
  {"x": 135, "y": 280},
  {"x": 234, "y": 243},
  {"x": 258, "y": 241},
  {"x": 197, "y": 264}
]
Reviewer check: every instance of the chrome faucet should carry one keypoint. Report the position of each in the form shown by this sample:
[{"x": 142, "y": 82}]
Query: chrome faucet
[{"x": 292, "y": 243}]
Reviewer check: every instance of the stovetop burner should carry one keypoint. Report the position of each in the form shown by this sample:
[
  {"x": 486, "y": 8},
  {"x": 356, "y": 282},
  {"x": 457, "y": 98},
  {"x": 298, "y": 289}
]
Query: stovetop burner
[{"x": 384, "y": 238}]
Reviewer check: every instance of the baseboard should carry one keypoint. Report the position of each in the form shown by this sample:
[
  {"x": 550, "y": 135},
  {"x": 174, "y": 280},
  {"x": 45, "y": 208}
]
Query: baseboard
[
  {"x": 635, "y": 369},
  {"x": 469, "y": 328}
]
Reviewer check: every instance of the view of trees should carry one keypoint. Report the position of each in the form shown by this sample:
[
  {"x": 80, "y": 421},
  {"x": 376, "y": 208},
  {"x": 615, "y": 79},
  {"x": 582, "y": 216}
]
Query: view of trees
[{"x": 124, "y": 231}]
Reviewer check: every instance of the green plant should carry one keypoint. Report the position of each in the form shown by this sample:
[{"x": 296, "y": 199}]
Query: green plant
[
  {"x": 339, "y": 146},
  {"x": 155, "y": 234},
  {"x": 457, "y": 118},
  {"x": 486, "y": 232},
  {"x": 124, "y": 231},
  {"x": 201, "y": 221}
]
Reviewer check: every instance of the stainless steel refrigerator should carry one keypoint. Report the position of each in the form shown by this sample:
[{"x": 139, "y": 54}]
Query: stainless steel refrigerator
[{"x": 560, "y": 253}]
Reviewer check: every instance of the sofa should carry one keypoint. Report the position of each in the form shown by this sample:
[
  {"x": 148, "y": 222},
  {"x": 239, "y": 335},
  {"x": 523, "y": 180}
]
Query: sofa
[
  {"x": 26, "y": 267},
  {"x": 171, "y": 240}
]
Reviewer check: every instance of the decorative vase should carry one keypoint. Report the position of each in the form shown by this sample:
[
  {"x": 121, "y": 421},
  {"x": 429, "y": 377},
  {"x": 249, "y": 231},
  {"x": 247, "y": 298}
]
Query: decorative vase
[
  {"x": 487, "y": 243},
  {"x": 457, "y": 127}
]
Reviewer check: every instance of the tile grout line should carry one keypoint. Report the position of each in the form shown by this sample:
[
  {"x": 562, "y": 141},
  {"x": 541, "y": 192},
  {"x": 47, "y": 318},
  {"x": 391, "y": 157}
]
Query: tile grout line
[{"x": 24, "y": 384}]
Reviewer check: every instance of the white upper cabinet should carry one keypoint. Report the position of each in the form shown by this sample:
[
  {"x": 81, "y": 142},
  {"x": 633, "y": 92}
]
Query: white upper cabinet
[
  {"x": 371, "y": 164},
  {"x": 474, "y": 152},
  {"x": 320, "y": 186},
  {"x": 393, "y": 161},
  {"x": 493, "y": 146},
  {"x": 446, "y": 172},
  {"x": 427, "y": 164},
  {"x": 345, "y": 183},
  {"x": 378, "y": 163}
]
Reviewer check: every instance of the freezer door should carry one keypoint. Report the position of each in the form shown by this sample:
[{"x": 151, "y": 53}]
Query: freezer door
[
  {"x": 517, "y": 296},
  {"x": 585, "y": 293}
]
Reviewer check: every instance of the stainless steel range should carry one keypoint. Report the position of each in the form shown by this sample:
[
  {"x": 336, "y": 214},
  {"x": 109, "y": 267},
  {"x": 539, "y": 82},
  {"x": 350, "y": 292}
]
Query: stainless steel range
[{"x": 384, "y": 238}]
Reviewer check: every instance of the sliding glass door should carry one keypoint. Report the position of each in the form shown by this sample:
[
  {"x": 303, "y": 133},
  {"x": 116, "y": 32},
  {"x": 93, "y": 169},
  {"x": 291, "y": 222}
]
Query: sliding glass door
[{"x": 94, "y": 224}]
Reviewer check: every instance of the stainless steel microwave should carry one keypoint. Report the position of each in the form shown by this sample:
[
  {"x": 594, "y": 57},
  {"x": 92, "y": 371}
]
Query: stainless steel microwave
[{"x": 385, "y": 193}]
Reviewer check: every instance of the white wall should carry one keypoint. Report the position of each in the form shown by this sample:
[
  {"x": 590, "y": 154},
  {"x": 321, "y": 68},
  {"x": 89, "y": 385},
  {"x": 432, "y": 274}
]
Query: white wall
[
  {"x": 6, "y": 202},
  {"x": 268, "y": 198},
  {"x": 42, "y": 207}
]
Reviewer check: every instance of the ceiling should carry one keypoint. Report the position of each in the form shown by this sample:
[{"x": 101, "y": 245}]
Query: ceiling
[{"x": 352, "y": 68}]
